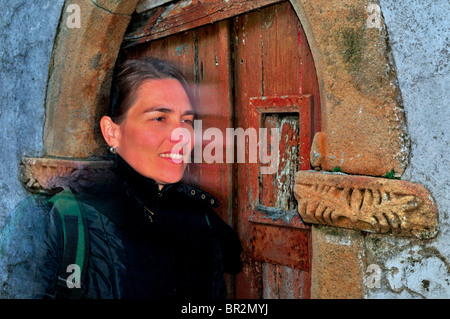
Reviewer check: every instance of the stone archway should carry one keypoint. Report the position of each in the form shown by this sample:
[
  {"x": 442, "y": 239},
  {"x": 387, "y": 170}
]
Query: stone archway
[
  {"x": 363, "y": 128},
  {"x": 363, "y": 123}
]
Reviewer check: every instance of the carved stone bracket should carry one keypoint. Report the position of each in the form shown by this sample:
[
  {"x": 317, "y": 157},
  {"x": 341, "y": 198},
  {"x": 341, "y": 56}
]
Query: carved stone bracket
[
  {"x": 377, "y": 205},
  {"x": 50, "y": 175}
]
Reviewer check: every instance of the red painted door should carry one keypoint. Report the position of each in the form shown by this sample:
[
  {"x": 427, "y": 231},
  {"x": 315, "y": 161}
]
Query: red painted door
[{"x": 254, "y": 71}]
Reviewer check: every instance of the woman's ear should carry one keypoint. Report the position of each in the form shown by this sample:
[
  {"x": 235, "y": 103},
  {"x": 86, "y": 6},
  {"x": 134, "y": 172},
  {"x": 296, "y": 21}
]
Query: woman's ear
[{"x": 110, "y": 131}]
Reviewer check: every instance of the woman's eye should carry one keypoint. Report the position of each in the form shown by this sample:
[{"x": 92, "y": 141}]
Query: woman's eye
[
  {"x": 159, "y": 119},
  {"x": 188, "y": 121}
]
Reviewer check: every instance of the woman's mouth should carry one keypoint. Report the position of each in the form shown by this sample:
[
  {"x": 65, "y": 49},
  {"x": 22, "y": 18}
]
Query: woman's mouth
[{"x": 174, "y": 157}]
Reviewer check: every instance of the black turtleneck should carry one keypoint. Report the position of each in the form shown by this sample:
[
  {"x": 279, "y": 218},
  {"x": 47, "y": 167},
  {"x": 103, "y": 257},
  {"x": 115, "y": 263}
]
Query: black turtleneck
[
  {"x": 168, "y": 241},
  {"x": 143, "y": 187}
]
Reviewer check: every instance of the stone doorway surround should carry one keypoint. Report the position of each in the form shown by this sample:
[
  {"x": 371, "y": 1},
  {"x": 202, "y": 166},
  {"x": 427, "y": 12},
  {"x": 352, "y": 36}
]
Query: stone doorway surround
[{"x": 363, "y": 131}]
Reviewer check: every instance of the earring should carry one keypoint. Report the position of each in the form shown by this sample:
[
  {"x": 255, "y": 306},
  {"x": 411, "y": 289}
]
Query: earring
[{"x": 113, "y": 149}]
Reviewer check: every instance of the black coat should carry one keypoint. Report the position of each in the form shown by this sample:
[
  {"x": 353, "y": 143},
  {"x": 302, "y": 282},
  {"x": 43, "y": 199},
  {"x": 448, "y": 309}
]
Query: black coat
[{"x": 143, "y": 243}]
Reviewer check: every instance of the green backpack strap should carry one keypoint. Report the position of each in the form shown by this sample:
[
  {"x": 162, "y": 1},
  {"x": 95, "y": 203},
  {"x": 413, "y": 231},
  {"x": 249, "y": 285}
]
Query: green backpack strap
[{"x": 75, "y": 245}]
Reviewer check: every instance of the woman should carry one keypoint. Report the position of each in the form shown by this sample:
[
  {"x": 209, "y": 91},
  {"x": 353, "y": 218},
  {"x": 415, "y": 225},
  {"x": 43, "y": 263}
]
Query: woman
[{"x": 145, "y": 234}]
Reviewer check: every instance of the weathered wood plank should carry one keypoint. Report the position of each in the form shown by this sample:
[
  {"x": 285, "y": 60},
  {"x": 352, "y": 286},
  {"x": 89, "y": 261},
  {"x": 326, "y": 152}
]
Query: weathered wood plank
[
  {"x": 215, "y": 100},
  {"x": 281, "y": 246},
  {"x": 269, "y": 65},
  {"x": 248, "y": 79},
  {"x": 184, "y": 15},
  {"x": 276, "y": 189},
  {"x": 280, "y": 51},
  {"x": 145, "y": 5},
  {"x": 282, "y": 282}
]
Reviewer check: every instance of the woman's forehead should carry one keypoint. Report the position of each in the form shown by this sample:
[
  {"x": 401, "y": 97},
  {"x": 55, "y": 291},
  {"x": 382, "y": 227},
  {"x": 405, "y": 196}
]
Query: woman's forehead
[{"x": 163, "y": 94}]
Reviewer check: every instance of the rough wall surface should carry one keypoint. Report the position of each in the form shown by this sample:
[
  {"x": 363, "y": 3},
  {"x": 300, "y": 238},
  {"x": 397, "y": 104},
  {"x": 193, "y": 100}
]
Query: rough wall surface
[
  {"x": 363, "y": 122},
  {"x": 80, "y": 77},
  {"x": 26, "y": 40},
  {"x": 338, "y": 263},
  {"x": 419, "y": 33}
]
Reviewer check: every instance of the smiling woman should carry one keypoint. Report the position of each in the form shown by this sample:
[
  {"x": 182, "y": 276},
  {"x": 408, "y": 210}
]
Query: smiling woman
[
  {"x": 144, "y": 138},
  {"x": 143, "y": 234}
]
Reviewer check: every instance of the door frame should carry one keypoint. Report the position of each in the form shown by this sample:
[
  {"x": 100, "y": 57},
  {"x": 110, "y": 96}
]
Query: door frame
[{"x": 354, "y": 126}]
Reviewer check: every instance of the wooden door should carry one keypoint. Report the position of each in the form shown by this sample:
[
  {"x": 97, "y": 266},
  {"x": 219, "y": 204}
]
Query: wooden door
[{"x": 253, "y": 70}]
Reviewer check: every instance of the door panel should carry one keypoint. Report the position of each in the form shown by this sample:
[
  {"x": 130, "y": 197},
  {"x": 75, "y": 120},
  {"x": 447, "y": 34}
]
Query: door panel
[
  {"x": 256, "y": 71},
  {"x": 270, "y": 63},
  {"x": 215, "y": 100}
]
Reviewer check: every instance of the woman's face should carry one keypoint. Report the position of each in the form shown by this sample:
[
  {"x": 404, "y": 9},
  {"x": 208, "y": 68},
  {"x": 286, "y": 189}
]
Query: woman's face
[{"x": 145, "y": 138}]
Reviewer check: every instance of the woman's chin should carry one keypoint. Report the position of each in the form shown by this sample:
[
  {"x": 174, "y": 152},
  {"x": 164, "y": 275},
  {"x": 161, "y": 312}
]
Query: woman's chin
[{"x": 169, "y": 179}]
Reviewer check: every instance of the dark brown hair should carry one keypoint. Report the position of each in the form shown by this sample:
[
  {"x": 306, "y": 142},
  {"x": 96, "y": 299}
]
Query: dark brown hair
[{"x": 130, "y": 74}]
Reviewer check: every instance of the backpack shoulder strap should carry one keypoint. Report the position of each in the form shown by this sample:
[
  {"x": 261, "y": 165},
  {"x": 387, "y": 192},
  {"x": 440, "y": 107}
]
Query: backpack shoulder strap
[{"x": 75, "y": 245}]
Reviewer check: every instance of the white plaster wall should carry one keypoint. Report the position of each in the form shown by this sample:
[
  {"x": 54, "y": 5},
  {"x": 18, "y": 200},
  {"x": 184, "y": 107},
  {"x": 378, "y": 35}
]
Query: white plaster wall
[
  {"x": 419, "y": 33},
  {"x": 27, "y": 31}
]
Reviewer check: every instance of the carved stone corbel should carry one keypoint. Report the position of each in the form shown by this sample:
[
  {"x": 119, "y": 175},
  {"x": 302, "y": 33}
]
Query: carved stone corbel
[{"x": 377, "y": 205}]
